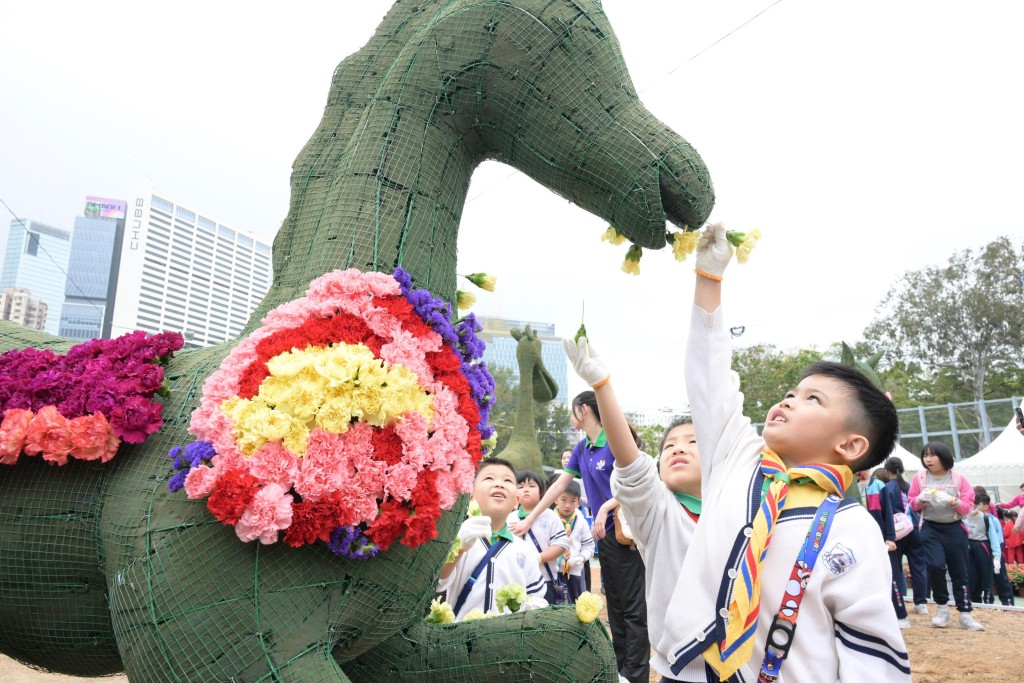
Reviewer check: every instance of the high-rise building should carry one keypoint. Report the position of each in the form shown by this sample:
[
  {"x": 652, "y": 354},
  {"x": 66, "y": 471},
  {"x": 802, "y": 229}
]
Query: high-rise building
[
  {"x": 501, "y": 349},
  {"x": 36, "y": 259},
  {"x": 91, "y": 285},
  {"x": 183, "y": 271},
  {"x": 19, "y": 306}
]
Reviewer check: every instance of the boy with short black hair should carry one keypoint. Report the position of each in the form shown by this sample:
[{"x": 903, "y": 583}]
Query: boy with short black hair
[
  {"x": 984, "y": 558},
  {"x": 581, "y": 541},
  {"x": 547, "y": 535},
  {"x": 784, "y": 488},
  {"x": 490, "y": 556}
]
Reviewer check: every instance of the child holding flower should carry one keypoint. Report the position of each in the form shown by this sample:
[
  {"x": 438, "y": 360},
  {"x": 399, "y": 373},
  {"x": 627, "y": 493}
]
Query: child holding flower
[
  {"x": 660, "y": 500},
  {"x": 547, "y": 534},
  {"x": 490, "y": 557}
]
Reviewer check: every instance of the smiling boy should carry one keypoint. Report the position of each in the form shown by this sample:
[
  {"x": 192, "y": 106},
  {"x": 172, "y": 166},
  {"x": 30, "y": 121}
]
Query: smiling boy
[
  {"x": 490, "y": 556},
  {"x": 778, "y": 543}
]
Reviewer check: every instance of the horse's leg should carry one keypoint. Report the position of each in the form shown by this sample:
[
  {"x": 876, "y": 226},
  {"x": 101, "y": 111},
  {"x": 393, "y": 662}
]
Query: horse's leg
[{"x": 544, "y": 645}]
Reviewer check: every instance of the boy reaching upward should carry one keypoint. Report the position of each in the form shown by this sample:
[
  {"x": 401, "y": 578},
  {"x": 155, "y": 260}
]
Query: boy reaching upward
[{"x": 779, "y": 545}]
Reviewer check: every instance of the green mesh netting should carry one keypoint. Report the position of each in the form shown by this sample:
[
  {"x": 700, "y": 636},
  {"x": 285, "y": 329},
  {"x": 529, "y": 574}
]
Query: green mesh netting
[{"x": 102, "y": 570}]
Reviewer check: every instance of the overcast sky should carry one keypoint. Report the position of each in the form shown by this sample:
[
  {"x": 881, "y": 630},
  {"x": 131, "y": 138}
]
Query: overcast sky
[{"x": 864, "y": 139}]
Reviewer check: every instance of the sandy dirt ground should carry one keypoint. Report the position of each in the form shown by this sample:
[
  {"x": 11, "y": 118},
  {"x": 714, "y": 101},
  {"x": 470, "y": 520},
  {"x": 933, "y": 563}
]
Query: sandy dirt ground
[{"x": 948, "y": 655}]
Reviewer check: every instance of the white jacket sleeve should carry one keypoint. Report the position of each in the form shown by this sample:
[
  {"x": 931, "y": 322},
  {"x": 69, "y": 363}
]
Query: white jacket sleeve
[{"x": 643, "y": 496}]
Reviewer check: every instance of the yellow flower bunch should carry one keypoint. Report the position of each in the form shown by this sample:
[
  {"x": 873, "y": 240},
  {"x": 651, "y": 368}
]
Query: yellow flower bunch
[
  {"x": 684, "y": 243},
  {"x": 613, "y": 236},
  {"x": 631, "y": 264},
  {"x": 588, "y": 606},
  {"x": 476, "y": 613},
  {"x": 744, "y": 242},
  {"x": 464, "y": 300},
  {"x": 511, "y": 595},
  {"x": 325, "y": 387},
  {"x": 482, "y": 280},
  {"x": 440, "y": 612}
]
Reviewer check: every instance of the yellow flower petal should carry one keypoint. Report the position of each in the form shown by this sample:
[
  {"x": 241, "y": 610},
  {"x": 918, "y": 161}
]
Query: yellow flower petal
[
  {"x": 613, "y": 236},
  {"x": 464, "y": 300},
  {"x": 684, "y": 244},
  {"x": 588, "y": 606}
]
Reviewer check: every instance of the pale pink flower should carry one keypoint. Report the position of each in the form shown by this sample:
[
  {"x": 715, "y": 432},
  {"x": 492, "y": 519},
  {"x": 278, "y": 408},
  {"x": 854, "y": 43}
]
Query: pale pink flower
[
  {"x": 412, "y": 430},
  {"x": 200, "y": 482},
  {"x": 401, "y": 480},
  {"x": 269, "y": 511},
  {"x": 274, "y": 464}
]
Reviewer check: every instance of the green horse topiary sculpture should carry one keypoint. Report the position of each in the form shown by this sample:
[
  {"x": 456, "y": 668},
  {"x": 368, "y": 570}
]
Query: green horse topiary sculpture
[
  {"x": 535, "y": 384},
  {"x": 102, "y": 570}
]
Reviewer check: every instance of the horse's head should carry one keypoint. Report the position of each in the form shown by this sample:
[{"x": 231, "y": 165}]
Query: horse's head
[{"x": 528, "y": 356}]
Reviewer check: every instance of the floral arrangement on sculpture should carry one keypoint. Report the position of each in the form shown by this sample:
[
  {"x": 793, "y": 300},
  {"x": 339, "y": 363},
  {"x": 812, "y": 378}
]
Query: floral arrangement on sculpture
[
  {"x": 85, "y": 403},
  {"x": 354, "y": 416},
  {"x": 683, "y": 243}
]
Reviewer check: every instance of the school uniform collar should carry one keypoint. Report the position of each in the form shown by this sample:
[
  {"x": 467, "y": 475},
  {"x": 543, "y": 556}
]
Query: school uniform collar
[
  {"x": 600, "y": 442},
  {"x": 504, "y": 533},
  {"x": 521, "y": 512},
  {"x": 691, "y": 503}
]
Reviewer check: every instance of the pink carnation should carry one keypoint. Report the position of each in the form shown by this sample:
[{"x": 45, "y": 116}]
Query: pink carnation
[
  {"x": 200, "y": 482},
  {"x": 320, "y": 471},
  {"x": 92, "y": 438},
  {"x": 48, "y": 433},
  {"x": 401, "y": 480},
  {"x": 269, "y": 511},
  {"x": 13, "y": 429},
  {"x": 274, "y": 464}
]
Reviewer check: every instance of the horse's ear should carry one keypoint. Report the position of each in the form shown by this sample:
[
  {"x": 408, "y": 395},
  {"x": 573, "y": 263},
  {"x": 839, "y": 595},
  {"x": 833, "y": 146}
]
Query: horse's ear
[
  {"x": 545, "y": 388},
  {"x": 516, "y": 334},
  {"x": 529, "y": 333}
]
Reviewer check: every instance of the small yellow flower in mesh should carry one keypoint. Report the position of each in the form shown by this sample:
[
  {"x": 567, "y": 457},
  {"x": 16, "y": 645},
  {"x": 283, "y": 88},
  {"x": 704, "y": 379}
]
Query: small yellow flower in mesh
[
  {"x": 612, "y": 235},
  {"x": 440, "y": 612},
  {"x": 511, "y": 595},
  {"x": 477, "y": 613},
  {"x": 684, "y": 243},
  {"x": 588, "y": 606},
  {"x": 744, "y": 242},
  {"x": 631, "y": 264},
  {"x": 482, "y": 280},
  {"x": 453, "y": 554},
  {"x": 474, "y": 509},
  {"x": 464, "y": 300}
]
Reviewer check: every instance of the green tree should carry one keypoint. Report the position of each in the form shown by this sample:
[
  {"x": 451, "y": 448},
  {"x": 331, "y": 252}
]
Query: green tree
[
  {"x": 650, "y": 437},
  {"x": 767, "y": 373},
  {"x": 961, "y": 323},
  {"x": 551, "y": 420}
]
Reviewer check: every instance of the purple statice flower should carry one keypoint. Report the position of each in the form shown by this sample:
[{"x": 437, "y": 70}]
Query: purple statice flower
[
  {"x": 177, "y": 481},
  {"x": 349, "y": 541},
  {"x": 471, "y": 347},
  {"x": 175, "y": 455},
  {"x": 198, "y": 452}
]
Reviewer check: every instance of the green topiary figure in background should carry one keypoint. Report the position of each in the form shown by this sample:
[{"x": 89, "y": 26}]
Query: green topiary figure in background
[
  {"x": 102, "y": 570},
  {"x": 535, "y": 384}
]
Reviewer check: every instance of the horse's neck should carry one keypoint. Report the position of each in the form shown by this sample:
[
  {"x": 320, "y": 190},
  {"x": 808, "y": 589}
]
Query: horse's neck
[{"x": 524, "y": 407}]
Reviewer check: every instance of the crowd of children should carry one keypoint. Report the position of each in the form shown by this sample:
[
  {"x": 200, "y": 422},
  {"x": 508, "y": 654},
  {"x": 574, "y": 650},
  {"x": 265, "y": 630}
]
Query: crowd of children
[{"x": 736, "y": 544}]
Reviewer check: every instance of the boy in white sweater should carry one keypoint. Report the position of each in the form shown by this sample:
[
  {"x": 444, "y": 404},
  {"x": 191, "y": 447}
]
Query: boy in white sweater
[{"x": 826, "y": 569}]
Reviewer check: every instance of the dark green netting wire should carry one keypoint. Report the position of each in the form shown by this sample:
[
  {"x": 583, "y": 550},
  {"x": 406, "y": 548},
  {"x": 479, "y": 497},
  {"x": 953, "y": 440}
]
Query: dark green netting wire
[{"x": 103, "y": 570}]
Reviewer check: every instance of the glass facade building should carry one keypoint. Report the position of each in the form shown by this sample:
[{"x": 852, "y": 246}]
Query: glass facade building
[
  {"x": 36, "y": 260},
  {"x": 92, "y": 278}
]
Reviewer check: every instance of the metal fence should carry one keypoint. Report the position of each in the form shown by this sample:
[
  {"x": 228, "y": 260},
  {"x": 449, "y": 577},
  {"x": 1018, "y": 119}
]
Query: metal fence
[{"x": 964, "y": 427}]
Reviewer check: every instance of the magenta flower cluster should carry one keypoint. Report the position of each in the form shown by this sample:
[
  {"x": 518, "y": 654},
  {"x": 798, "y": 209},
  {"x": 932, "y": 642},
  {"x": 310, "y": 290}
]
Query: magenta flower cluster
[{"x": 114, "y": 377}]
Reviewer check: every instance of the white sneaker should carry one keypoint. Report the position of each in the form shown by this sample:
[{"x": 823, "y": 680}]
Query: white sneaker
[
  {"x": 967, "y": 621},
  {"x": 941, "y": 618},
  {"x": 904, "y": 623},
  {"x": 921, "y": 608}
]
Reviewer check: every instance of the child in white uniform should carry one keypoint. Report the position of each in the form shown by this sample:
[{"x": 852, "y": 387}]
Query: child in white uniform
[
  {"x": 547, "y": 535},
  {"x": 490, "y": 557},
  {"x": 581, "y": 542}
]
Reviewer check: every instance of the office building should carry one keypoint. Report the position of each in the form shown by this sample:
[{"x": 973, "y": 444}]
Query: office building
[
  {"x": 501, "y": 349},
  {"x": 36, "y": 260},
  {"x": 91, "y": 284},
  {"x": 183, "y": 271}
]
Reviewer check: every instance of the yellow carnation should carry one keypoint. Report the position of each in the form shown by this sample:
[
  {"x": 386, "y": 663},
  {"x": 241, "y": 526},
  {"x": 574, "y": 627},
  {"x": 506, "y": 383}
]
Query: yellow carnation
[
  {"x": 744, "y": 248},
  {"x": 613, "y": 236},
  {"x": 631, "y": 264},
  {"x": 464, "y": 300},
  {"x": 588, "y": 606},
  {"x": 685, "y": 243},
  {"x": 482, "y": 280},
  {"x": 288, "y": 363},
  {"x": 440, "y": 612},
  {"x": 475, "y": 614}
]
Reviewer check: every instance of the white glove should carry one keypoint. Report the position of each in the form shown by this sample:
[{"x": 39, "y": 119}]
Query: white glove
[
  {"x": 925, "y": 497},
  {"x": 474, "y": 528},
  {"x": 585, "y": 362},
  {"x": 996, "y": 564},
  {"x": 713, "y": 252},
  {"x": 576, "y": 562},
  {"x": 942, "y": 498}
]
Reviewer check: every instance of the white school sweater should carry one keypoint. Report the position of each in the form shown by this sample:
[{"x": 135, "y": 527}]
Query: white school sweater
[
  {"x": 847, "y": 629},
  {"x": 663, "y": 532},
  {"x": 516, "y": 562},
  {"x": 547, "y": 530},
  {"x": 581, "y": 540}
]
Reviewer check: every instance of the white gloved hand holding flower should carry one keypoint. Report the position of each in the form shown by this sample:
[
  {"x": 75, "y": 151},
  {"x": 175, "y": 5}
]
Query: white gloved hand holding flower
[
  {"x": 575, "y": 562},
  {"x": 474, "y": 528},
  {"x": 713, "y": 252},
  {"x": 585, "y": 362},
  {"x": 942, "y": 498}
]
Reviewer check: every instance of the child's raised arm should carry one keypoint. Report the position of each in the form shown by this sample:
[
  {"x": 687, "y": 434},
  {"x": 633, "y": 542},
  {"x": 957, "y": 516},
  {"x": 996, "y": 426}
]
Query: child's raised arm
[
  {"x": 592, "y": 370},
  {"x": 713, "y": 254}
]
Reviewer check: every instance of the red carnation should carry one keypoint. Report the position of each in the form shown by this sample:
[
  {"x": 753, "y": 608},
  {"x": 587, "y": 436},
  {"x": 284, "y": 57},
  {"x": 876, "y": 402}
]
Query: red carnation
[
  {"x": 422, "y": 526},
  {"x": 235, "y": 488},
  {"x": 313, "y": 521},
  {"x": 389, "y": 524},
  {"x": 387, "y": 445}
]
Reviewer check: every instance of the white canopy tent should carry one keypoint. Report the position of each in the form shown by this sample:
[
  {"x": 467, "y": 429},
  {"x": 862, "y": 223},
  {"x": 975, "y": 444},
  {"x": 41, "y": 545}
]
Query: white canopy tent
[
  {"x": 999, "y": 467},
  {"x": 911, "y": 463}
]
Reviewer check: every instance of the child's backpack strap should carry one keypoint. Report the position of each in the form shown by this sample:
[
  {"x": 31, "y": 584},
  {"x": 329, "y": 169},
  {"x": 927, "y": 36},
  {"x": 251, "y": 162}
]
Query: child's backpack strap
[
  {"x": 484, "y": 561},
  {"x": 536, "y": 544}
]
